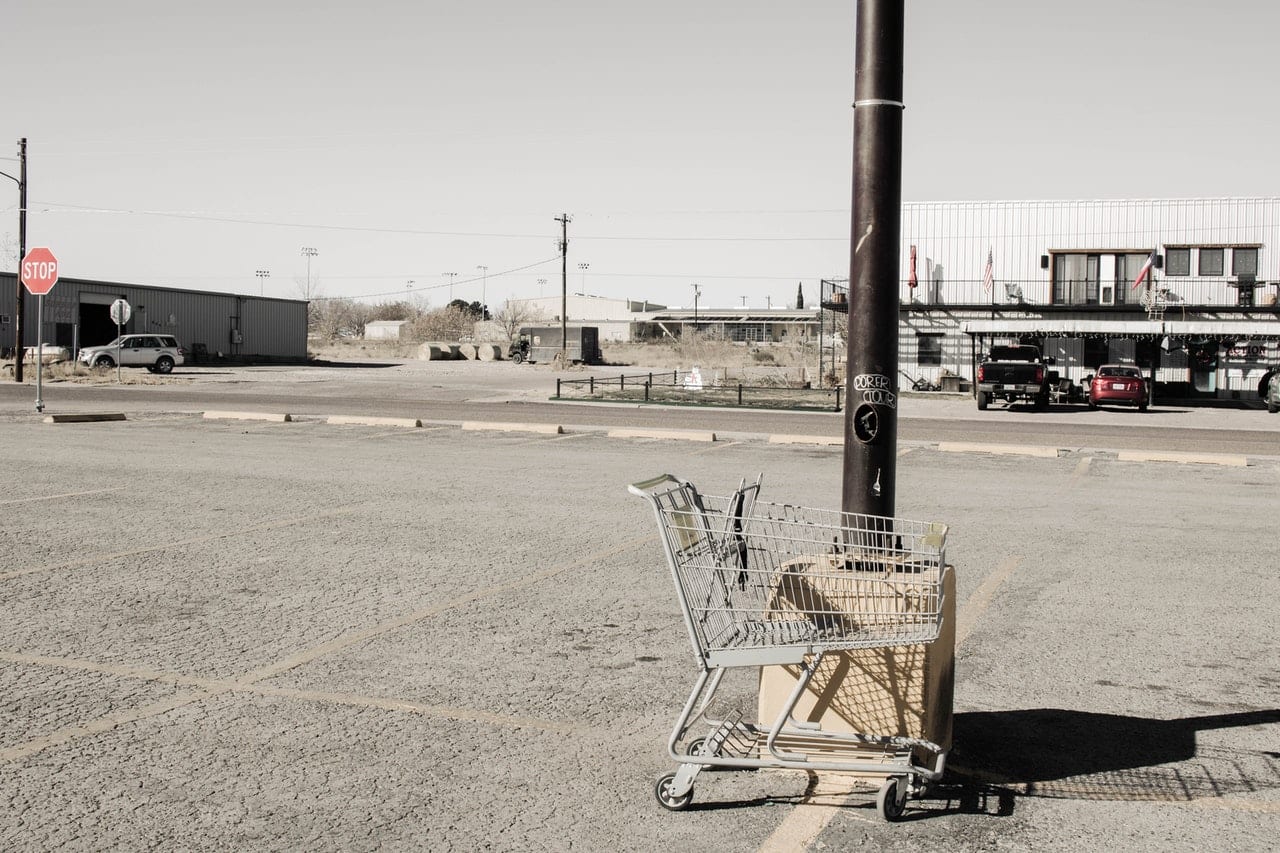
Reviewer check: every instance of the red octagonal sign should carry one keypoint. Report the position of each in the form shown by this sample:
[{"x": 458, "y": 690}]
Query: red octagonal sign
[{"x": 39, "y": 271}]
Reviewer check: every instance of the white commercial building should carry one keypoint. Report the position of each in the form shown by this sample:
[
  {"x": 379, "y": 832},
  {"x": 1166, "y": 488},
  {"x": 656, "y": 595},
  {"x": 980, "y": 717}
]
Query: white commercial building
[{"x": 1203, "y": 321}]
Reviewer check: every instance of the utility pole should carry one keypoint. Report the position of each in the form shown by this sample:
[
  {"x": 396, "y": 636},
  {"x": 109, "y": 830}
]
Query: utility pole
[
  {"x": 564, "y": 221},
  {"x": 871, "y": 413},
  {"x": 19, "y": 302},
  {"x": 696, "y": 292}
]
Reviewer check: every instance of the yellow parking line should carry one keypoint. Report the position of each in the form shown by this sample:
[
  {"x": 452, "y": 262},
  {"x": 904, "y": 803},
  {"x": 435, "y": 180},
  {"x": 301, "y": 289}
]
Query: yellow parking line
[
  {"x": 248, "y": 682},
  {"x": 63, "y": 495},
  {"x": 179, "y": 543}
]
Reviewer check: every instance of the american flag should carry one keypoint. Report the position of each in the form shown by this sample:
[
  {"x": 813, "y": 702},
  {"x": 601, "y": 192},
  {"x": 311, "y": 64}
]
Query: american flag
[
  {"x": 911, "y": 275},
  {"x": 1146, "y": 268},
  {"x": 988, "y": 275}
]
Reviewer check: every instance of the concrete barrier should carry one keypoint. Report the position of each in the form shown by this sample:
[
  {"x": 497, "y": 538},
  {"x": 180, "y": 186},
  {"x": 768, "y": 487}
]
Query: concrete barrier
[
  {"x": 249, "y": 416},
  {"x": 677, "y": 434},
  {"x": 1004, "y": 449},
  {"x": 83, "y": 418},
  {"x": 1227, "y": 459},
  {"x": 826, "y": 440},
  {"x": 545, "y": 429},
  {"x": 357, "y": 420}
]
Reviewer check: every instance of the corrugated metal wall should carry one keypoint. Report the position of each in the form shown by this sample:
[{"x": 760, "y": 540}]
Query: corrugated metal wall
[{"x": 952, "y": 238}]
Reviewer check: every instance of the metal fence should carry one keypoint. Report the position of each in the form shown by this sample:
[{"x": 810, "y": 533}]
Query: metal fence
[{"x": 673, "y": 387}]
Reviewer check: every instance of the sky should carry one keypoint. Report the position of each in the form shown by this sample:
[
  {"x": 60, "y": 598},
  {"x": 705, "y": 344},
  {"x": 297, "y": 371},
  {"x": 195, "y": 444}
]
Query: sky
[{"x": 425, "y": 149}]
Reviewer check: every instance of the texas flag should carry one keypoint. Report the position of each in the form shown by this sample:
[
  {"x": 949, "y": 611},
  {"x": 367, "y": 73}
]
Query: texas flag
[{"x": 1146, "y": 268}]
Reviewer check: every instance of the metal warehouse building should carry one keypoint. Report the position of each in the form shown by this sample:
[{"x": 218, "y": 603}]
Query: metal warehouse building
[{"x": 208, "y": 325}]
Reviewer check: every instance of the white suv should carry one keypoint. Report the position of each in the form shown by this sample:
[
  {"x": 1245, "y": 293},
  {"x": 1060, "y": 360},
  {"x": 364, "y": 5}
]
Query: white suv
[{"x": 157, "y": 353}]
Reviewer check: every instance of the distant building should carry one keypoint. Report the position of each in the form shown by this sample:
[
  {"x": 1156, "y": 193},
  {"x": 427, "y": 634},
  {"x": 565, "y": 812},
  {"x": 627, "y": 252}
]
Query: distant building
[{"x": 384, "y": 330}]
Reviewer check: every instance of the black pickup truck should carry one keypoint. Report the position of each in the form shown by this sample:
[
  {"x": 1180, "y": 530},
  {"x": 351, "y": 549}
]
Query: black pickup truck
[{"x": 1012, "y": 373}]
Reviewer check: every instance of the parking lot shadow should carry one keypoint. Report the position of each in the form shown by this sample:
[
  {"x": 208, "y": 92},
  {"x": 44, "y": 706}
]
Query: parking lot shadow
[{"x": 1051, "y": 752}]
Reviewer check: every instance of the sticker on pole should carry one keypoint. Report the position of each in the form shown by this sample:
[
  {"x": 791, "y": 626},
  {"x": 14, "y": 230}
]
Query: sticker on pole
[
  {"x": 39, "y": 271},
  {"x": 120, "y": 312}
]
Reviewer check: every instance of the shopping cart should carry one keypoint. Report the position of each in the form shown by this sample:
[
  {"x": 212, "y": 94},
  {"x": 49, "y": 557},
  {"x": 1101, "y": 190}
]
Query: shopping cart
[{"x": 764, "y": 584}]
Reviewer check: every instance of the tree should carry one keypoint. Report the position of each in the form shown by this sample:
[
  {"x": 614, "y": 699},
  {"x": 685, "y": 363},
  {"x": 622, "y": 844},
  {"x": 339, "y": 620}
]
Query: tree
[{"x": 516, "y": 313}]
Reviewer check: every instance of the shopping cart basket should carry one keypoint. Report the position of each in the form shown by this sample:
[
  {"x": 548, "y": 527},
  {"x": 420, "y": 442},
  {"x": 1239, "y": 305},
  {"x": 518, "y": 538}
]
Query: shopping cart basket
[{"x": 763, "y": 584}]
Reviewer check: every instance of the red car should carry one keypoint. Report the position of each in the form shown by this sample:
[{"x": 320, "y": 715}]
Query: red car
[{"x": 1119, "y": 383}]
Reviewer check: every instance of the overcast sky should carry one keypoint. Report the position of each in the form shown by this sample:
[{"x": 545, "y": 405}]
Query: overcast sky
[{"x": 701, "y": 141}]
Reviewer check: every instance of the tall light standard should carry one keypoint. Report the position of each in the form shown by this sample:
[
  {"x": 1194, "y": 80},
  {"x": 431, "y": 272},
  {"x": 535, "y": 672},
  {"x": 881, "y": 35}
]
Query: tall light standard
[
  {"x": 584, "y": 268},
  {"x": 697, "y": 291},
  {"x": 484, "y": 284},
  {"x": 21, "y": 181},
  {"x": 452, "y": 276},
  {"x": 262, "y": 275},
  {"x": 541, "y": 282},
  {"x": 309, "y": 253}
]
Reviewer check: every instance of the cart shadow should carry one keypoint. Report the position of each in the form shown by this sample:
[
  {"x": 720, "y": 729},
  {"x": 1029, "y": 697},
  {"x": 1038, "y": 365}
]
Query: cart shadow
[{"x": 1052, "y": 752}]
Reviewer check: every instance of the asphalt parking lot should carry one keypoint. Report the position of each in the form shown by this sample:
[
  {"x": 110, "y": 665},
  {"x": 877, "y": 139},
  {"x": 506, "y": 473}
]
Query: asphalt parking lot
[{"x": 226, "y": 634}]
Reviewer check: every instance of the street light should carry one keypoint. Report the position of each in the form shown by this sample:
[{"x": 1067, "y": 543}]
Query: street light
[
  {"x": 584, "y": 268},
  {"x": 697, "y": 291},
  {"x": 541, "y": 282},
  {"x": 262, "y": 275},
  {"x": 309, "y": 253},
  {"x": 484, "y": 283},
  {"x": 21, "y": 181},
  {"x": 452, "y": 276}
]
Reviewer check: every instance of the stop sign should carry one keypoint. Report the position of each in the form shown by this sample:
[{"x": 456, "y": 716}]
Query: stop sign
[{"x": 39, "y": 271}]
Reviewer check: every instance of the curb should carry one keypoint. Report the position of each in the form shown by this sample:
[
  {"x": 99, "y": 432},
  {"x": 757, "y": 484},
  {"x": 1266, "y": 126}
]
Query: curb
[
  {"x": 355, "y": 420},
  {"x": 248, "y": 416},
  {"x": 1184, "y": 458},
  {"x": 83, "y": 419},
  {"x": 684, "y": 435},
  {"x": 1003, "y": 449},
  {"x": 544, "y": 429}
]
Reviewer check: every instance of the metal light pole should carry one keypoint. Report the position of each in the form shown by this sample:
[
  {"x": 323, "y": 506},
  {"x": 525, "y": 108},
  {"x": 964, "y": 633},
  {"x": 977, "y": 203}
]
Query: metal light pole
[
  {"x": 484, "y": 285},
  {"x": 697, "y": 291},
  {"x": 871, "y": 414},
  {"x": 21, "y": 181},
  {"x": 584, "y": 268},
  {"x": 451, "y": 276},
  {"x": 262, "y": 275},
  {"x": 541, "y": 283},
  {"x": 309, "y": 253}
]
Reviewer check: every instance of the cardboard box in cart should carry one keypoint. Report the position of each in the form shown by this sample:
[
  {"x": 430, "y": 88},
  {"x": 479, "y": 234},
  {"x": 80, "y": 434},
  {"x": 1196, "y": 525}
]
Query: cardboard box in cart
[{"x": 903, "y": 691}]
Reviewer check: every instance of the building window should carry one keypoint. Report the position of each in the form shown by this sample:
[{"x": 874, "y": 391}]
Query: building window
[
  {"x": 1211, "y": 261},
  {"x": 928, "y": 350},
  {"x": 1244, "y": 261},
  {"x": 1177, "y": 261},
  {"x": 1075, "y": 279}
]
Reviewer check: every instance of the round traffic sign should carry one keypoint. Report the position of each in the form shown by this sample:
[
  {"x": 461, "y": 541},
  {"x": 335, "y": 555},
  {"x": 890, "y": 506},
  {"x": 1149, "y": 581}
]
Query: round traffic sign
[
  {"x": 120, "y": 312},
  {"x": 39, "y": 271}
]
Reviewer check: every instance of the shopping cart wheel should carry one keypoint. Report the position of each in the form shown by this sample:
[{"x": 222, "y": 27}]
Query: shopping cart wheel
[
  {"x": 662, "y": 791},
  {"x": 892, "y": 799}
]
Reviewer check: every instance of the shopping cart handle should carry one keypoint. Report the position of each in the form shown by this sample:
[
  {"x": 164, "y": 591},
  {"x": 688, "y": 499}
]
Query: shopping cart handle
[{"x": 645, "y": 488}]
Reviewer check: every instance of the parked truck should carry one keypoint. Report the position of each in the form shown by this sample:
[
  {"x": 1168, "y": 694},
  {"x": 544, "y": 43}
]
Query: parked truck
[
  {"x": 542, "y": 343},
  {"x": 1012, "y": 373}
]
